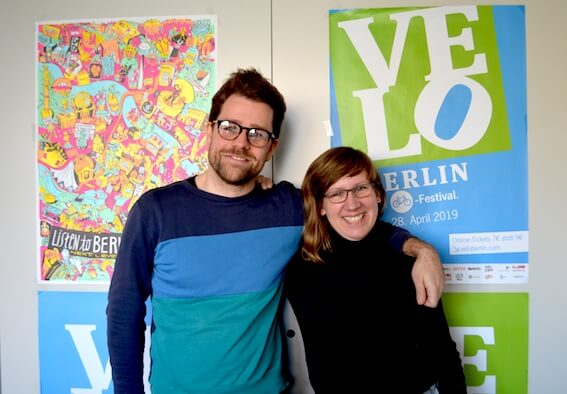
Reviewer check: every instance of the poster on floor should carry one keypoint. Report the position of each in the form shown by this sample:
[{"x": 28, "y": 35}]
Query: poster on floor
[
  {"x": 121, "y": 108},
  {"x": 73, "y": 356},
  {"x": 491, "y": 331},
  {"x": 437, "y": 97}
]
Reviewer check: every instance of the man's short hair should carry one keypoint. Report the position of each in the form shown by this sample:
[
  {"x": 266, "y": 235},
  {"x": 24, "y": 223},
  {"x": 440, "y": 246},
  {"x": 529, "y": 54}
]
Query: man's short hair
[{"x": 251, "y": 84}]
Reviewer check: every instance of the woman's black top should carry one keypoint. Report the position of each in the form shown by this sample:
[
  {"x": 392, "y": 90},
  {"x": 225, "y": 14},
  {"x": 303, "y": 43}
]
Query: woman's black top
[{"x": 362, "y": 328}]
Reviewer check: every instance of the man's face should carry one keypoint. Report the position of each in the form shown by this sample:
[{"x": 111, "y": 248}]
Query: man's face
[{"x": 237, "y": 162}]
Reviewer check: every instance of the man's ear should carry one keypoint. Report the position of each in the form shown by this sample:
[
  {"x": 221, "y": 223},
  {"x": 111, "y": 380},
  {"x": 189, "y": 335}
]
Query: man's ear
[
  {"x": 209, "y": 130},
  {"x": 272, "y": 149}
]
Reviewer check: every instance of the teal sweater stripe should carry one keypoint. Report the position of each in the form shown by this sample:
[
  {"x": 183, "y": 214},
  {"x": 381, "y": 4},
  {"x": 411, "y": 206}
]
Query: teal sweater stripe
[{"x": 239, "y": 343}]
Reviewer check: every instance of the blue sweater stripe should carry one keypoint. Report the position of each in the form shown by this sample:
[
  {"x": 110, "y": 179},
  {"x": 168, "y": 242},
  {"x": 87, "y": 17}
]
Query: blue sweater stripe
[{"x": 219, "y": 264}]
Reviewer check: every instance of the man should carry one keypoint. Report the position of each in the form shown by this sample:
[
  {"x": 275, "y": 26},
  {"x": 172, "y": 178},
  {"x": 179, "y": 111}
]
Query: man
[{"x": 210, "y": 252}]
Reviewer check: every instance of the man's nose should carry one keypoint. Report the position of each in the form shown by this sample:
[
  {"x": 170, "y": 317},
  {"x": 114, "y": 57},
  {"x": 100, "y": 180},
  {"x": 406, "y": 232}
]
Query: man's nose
[{"x": 242, "y": 139}]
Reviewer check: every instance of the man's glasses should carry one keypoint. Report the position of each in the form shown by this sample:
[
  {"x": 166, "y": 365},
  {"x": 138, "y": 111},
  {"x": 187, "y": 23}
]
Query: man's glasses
[
  {"x": 338, "y": 196},
  {"x": 230, "y": 130}
]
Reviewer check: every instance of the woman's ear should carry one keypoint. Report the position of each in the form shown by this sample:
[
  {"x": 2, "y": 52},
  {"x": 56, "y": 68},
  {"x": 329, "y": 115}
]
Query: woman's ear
[
  {"x": 378, "y": 198},
  {"x": 323, "y": 213}
]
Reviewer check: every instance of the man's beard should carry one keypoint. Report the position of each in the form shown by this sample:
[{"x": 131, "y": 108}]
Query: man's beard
[{"x": 231, "y": 175}]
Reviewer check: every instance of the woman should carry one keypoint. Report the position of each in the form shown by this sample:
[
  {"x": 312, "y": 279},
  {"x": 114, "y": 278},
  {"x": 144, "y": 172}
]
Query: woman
[{"x": 355, "y": 340}]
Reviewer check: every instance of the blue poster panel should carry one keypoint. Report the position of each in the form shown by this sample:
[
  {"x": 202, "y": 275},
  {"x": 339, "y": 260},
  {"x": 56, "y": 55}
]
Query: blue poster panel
[
  {"x": 73, "y": 356},
  {"x": 437, "y": 97}
]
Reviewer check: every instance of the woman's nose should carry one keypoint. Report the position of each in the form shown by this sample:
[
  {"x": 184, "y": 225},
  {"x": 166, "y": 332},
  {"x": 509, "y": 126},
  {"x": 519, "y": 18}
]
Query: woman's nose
[{"x": 351, "y": 201}]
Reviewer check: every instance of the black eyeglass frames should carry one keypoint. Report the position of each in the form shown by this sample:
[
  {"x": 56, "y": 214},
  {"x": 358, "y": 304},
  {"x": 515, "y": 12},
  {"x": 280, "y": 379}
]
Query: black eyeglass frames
[{"x": 230, "y": 130}]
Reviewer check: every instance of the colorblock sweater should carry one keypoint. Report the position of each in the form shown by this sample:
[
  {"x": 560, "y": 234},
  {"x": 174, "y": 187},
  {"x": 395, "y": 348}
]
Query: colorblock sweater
[{"x": 213, "y": 268}]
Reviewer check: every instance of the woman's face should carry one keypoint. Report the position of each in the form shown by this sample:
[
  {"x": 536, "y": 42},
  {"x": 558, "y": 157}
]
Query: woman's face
[{"x": 354, "y": 218}]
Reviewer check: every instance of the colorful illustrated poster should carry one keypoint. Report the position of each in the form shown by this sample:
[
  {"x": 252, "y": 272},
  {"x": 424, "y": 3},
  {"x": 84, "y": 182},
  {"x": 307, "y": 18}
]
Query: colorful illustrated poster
[
  {"x": 437, "y": 97},
  {"x": 121, "y": 108},
  {"x": 73, "y": 355},
  {"x": 491, "y": 332}
]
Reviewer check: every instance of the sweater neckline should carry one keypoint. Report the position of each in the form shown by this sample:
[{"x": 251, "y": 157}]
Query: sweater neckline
[{"x": 192, "y": 184}]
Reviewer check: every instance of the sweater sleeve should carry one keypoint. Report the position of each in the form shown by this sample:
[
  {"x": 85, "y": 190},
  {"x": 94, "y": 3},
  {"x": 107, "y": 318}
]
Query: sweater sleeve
[
  {"x": 396, "y": 235},
  {"x": 129, "y": 289}
]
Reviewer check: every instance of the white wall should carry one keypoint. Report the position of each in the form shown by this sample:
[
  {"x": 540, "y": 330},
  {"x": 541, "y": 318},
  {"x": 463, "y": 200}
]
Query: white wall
[{"x": 286, "y": 39}]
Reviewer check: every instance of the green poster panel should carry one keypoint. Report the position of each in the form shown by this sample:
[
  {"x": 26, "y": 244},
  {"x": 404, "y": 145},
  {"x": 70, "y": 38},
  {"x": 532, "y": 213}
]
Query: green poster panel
[
  {"x": 393, "y": 69},
  {"x": 491, "y": 332}
]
